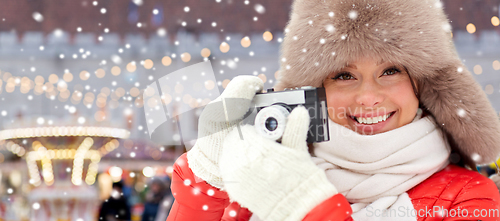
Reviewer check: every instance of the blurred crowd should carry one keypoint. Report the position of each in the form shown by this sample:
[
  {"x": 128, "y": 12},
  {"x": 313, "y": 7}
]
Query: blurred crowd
[{"x": 157, "y": 200}]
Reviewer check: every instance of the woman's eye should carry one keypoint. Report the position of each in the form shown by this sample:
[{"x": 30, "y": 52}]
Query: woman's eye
[
  {"x": 343, "y": 76},
  {"x": 391, "y": 71}
]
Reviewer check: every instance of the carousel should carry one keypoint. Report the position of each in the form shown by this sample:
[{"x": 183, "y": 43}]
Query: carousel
[{"x": 62, "y": 163}]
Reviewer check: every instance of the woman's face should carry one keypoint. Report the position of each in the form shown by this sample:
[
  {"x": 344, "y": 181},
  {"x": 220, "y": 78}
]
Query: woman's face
[{"x": 370, "y": 97}]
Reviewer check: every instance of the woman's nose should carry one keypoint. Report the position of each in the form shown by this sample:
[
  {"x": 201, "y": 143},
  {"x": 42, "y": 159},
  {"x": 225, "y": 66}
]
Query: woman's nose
[{"x": 369, "y": 95}]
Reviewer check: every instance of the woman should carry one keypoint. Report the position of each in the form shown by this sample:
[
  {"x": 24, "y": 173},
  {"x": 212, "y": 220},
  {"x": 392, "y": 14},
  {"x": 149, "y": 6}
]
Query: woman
[
  {"x": 154, "y": 197},
  {"x": 405, "y": 118}
]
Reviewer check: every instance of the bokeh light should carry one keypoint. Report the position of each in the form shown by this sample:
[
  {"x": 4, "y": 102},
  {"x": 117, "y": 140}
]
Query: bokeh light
[
  {"x": 53, "y": 78},
  {"x": 495, "y": 21},
  {"x": 186, "y": 57},
  {"x": 148, "y": 64},
  {"x": 166, "y": 61},
  {"x": 224, "y": 47},
  {"x": 100, "y": 73},
  {"x": 84, "y": 75},
  {"x": 471, "y": 28},
  {"x": 68, "y": 77},
  {"x": 478, "y": 69},
  {"x": 115, "y": 70},
  {"x": 496, "y": 65},
  {"x": 131, "y": 67},
  {"x": 205, "y": 52},
  {"x": 267, "y": 36},
  {"x": 245, "y": 42}
]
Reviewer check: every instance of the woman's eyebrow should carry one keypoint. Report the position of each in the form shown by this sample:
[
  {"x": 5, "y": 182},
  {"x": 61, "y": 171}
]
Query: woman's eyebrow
[{"x": 351, "y": 66}]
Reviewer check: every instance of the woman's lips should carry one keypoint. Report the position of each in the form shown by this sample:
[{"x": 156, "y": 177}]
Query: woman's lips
[{"x": 371, "y": 128}]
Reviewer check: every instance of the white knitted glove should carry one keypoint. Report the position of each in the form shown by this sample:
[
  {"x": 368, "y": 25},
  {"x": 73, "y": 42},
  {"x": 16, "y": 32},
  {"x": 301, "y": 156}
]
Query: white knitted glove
[
  {"x": 274, "y": 181},
  {"x": 217, "y": 119}
]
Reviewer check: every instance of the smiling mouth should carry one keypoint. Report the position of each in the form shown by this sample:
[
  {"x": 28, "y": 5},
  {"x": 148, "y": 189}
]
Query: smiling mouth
[{"x": 372, "y": 120}]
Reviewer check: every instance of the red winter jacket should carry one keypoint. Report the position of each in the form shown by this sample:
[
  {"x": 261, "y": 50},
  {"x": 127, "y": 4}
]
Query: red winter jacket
[{"x": 458, "y": 193}]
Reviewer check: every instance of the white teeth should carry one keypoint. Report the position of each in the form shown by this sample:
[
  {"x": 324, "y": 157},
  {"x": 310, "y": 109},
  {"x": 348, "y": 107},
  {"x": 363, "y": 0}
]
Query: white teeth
[{"x": 373, "y": 120}]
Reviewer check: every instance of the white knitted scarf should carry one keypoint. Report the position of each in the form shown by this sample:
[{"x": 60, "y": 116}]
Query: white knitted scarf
[{"x": 375, "y": 171}]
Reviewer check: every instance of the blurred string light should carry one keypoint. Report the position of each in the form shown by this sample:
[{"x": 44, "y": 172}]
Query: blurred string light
[
  {"x": 76, "y": 176},
  {"x": 109, "y": 147},
  {"x": 64, "y": 132},
  {"x": 58, "y": 88},
  {"x": 44, "y": 155},
  {"x": 47, "y": 172},
  {"x": 15, "y": 148}
]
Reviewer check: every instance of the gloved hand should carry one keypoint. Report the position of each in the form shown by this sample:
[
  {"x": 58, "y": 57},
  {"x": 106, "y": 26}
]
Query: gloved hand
[
  {"x": 216, "y": 121},
  {"x": 274, "y": 181}
]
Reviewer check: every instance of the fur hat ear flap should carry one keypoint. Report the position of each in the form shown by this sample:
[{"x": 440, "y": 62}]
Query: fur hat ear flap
[{"x": 463, "y": 111}]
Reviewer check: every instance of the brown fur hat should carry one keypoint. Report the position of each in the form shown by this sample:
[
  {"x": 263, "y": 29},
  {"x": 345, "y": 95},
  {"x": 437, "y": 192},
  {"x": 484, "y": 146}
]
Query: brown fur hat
[{"x": 323, "y": 36}]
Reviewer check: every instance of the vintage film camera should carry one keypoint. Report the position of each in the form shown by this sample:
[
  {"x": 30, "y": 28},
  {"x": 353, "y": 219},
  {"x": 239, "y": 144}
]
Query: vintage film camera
[{"x": 273, "y": 109}]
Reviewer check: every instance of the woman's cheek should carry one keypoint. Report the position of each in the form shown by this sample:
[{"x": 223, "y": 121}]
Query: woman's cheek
[{"x": 337, "y": 107}]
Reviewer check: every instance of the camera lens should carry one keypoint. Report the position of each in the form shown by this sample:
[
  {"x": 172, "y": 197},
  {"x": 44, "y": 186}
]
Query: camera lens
[
  {"x": 271, "y": 124},
  {"x": 270, "y": 121}
]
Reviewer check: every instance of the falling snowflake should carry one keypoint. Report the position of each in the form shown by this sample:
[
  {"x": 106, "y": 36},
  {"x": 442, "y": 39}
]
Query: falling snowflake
[
  {"x": 161, "y": 32},
  {"x": 353, "y": 15},
  {"x": 81, "y": 120},
  {"x": 116, "y": 59},
  {"x": 37, "y": 16},
  {"x": 461, "y": 112},
  {"x": 259, "y": 9},
  {"x": 446, "y": 27},
  {"x": 232, "y": 213},
  {"x": 438, "y": 4},
  {"x": 330, "y": 28},
  {"x": 476, "y": 157},
  {"x": 138, "y": 2}
]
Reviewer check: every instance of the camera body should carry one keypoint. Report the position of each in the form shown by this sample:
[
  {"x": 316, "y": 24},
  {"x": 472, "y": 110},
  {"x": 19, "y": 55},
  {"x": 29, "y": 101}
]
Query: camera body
[{"x": 274, "y": 107}]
